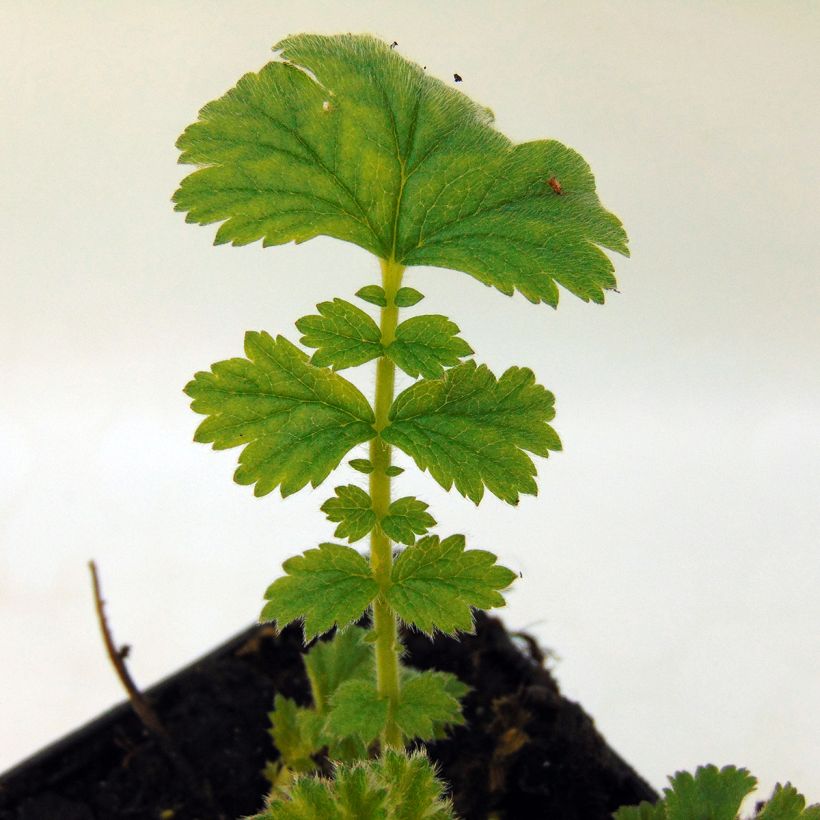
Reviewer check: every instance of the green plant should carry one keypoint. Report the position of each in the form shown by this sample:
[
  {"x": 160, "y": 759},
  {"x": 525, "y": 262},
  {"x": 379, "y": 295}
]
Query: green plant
[
  {"x": 713, "y": 794},
  {"x": 343, "y": 137}
]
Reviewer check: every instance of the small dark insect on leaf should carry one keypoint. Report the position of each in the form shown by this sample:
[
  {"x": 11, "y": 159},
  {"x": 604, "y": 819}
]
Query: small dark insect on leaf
[
  {"x": 393, "y": 44},
  {"x": 124, "y": 651},
  {"x": 555, "y": 185},
  {"x": 457, "y": 77}
]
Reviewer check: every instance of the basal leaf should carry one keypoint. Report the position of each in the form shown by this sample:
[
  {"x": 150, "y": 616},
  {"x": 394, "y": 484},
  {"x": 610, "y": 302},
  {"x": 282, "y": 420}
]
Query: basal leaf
[
  {"x": 426, "y": 702},
  {"x": 331, "y": 663},
  {"x": 425, "y": 345},
  {"x": 711, "y": 794},
  {"x": 414, "y": 791},
  {"x": 295, "y": 421},
  {"x": 344, "y": 335},
  {"x": 435, "y": 585},
  {"x": 344, "y": 137},
  {"x": 471, "y": 429},
  {"x": 359, "y": 798},
  {"x": 325, "y": 587},
  {"x": 357, "y": 710},
  {"x": 786, "y": 803},
  {"x": 406, "y": 518},
  {"x": 353, "y": 509},
  {"x": 394, "y": 786},
  {"x": 309, "y": 798}
]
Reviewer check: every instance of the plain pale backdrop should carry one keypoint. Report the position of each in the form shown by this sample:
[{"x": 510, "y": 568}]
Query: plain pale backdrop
[{"x": 670, "y": 559}]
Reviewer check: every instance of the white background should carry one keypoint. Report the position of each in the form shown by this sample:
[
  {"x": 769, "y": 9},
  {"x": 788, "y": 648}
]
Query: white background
[{"x": 670, "y": 559}]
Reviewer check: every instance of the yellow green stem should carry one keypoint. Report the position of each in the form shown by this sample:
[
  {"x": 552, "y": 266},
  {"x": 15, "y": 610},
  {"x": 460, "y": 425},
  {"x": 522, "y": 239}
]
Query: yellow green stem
[{"x": 381, "y": 554}]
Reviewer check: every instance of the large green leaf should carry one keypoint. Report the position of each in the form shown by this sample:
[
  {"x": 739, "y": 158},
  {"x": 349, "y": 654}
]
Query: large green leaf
[
  {"x": 346, "y": 138},
  {"x": 435, "y": 585},
  {"x": 325, "y": 587},
  {"x": 297, "y": 421},
  {"x": 471, "y": 429}
]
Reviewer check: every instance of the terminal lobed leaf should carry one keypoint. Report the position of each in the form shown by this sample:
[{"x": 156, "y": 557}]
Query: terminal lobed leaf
[
  {"x": 344, "y": 137},
  {"x": 712, "y": 793},
  {"x": 325, "y": 587},
  {"x": 435, "y": 585},
  {"x": 471, "y": 429},
  {"x": 297, "y": 421}
]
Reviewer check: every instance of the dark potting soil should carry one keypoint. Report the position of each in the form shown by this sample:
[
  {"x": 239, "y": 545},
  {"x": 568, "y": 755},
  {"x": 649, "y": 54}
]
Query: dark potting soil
[{"x": 526, "y": 752}]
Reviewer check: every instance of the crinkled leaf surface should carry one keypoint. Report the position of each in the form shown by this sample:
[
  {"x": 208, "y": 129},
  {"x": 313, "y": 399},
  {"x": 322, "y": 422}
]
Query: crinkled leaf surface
[
  {"x": 325, "y": 587},
  {"x": 435, "y": 585},
  {"x": 425, "y": 345},
  {"x": 296, "y": 421},
  {"x": 343, "y": 335},
  {"x": 352, "y": 508},
  {"x": 711, "y": 793},
  {"x": 406, "y": 518},
  {"x": 471, "y": 429},
  {"x": 394, "y": 786},
  {"x": 347, "y": 138}
]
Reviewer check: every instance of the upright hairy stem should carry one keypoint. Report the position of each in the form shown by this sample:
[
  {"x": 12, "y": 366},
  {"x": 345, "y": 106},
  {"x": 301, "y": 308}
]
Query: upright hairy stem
[{"x": 381, "y": 555}]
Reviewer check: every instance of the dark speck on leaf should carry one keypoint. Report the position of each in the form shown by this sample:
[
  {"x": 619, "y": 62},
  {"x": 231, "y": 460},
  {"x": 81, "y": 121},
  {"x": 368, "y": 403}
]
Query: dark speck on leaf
[
  {"x": 555, "y": 185},
  {"x": 393, "y": 44},
  {"x": 457, "y": 77}
]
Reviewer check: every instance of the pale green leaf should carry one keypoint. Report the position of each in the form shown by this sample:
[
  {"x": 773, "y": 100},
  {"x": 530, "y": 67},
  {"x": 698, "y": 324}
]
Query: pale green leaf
[
  {"x": 406, "y": 518},
  {"x": 344, "y": 137},
  {"x": 362, "y": 465},
  {"x": 343, "y": 335},
  {"x": 471, "y": 430},
  {"x": 346, "y": 656},
  {"x": 295, "y": 421},
  {"x": 296, "y": 733},
  {"x": 786, "y": 803},
  {"x": 407, "y": 297},
  {"x": 711, "y": 794},
  {"x": 435, "y": 585},
  {"x": 352, "y": 508},
  {"x": 425, "y": 345},
  {"x": 414, "y": 791},
  {"x": 325, "y": 587},
  {"x": 359, "y": 798},
  {"x": 356, "y": 709},
  {"x": 374, "y": 294},
  {"x": 309, "y": 798},
  {"x": 425, "y": 703}
]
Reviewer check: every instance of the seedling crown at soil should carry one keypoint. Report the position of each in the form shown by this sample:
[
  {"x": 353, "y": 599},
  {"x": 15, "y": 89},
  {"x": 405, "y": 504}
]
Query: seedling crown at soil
[{"x": 343, "y": 137}]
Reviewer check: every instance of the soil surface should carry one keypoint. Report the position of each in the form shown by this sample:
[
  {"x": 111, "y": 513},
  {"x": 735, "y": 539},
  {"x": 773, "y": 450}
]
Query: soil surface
[{"x": 525, "y": 753}]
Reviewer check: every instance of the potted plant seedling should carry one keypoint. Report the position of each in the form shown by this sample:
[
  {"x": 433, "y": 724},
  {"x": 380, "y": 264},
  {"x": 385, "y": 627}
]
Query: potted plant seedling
[{"x": 344, "y": 137}]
